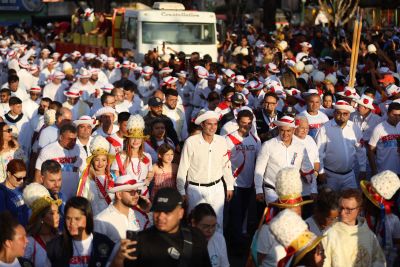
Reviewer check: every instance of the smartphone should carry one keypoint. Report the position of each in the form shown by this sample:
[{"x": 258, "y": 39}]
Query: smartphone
[{"x": 133, "y": 236}]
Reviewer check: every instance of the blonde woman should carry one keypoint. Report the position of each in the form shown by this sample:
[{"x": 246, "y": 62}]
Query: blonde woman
[
  {"x": 134, "y": 160},
  {"x": 96, "y": 179}
]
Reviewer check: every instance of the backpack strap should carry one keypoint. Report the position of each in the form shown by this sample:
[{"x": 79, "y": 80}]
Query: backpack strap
[{"x": 187, "y": 247}]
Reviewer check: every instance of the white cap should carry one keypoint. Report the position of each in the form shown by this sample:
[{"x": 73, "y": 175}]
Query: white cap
[
  {"x": 207, "y": 115},
  {"x": 343, "y": 105}
]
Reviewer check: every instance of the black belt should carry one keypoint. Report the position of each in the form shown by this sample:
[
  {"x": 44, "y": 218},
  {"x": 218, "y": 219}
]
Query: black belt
[
  {"x": 341, "y": 173},
  {"x": 207, "y": 185},
  {"x": 269, "y": 186}
]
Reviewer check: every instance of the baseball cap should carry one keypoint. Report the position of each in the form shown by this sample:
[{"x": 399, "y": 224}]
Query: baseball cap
[
  {"x": 166, "y": 200},
  {"x": 387, "y": 78},
  {"x": 237, "y": 98},
  {"x": 155, "y": 102}
]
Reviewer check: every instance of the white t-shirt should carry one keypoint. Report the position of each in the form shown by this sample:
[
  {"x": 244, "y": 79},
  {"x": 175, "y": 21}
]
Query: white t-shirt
[
  {"x": 70, "y": 160},
  {"x": 315, "y": 121},
  {"x": 267, "y": 244},
  {"x": 15, "y": 263},
  {"x": 112, "y": 223},
  {"x": 82, "y": 251},
  {"x": 217, "y": 251},
  {"x": 384, "y": 137}
]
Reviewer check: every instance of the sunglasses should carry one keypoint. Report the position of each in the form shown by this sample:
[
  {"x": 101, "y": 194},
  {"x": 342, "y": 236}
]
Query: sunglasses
[
  {"x": 9, "y": 130},
  {"x": 19, "y": 179}
]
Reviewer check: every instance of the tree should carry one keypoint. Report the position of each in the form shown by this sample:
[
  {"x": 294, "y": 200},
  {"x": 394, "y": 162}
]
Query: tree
[{"x": 342, "y": 10}]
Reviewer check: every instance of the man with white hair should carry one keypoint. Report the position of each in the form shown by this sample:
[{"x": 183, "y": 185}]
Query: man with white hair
[
  {"x": 204, "y": 163},
  {"x": 277, "y": 153},
  {"x": 301, "y": 133},
  {"x": 339, "y": 145}
]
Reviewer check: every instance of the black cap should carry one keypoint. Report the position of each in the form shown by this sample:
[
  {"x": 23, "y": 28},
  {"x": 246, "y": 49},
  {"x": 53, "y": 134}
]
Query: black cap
[
  {"x": 166, "y": 200},
  {"x": 237, "y": 98},
  {"x": 155, "y": 102}
]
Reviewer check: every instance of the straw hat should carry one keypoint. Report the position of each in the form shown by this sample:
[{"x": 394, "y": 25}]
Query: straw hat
[
  {"x": 382, "y": 188},
  {"x": 73, "y": 92},
  {"x": 99, "y": 146},
  {"x": 292, "y": 232},
  {"x": 38, "y": 198},
  {"x": 136, "y": 127},
  {"x": 288, "y": 186}
]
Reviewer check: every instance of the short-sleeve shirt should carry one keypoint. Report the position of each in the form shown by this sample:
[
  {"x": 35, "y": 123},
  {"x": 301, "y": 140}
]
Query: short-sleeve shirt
[{"x": 385, "y": 138}]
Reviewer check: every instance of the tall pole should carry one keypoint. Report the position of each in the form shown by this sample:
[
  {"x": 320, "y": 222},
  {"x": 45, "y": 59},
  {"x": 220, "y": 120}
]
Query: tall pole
[{"x": 303, "y": 4}]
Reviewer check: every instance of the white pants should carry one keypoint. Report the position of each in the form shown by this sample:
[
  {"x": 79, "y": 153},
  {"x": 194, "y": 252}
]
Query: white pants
[
  {"x": 213, "y": 195},
  {"x": 339, "y": 182}
]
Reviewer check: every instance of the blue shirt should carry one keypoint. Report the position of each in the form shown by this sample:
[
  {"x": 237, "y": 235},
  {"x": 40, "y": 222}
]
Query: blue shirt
[{"x": 12, "y": 200}]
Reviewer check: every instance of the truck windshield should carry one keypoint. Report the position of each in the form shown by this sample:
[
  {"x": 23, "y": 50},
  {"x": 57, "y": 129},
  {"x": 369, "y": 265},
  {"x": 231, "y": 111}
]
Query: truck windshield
[{"x": 178, "y": 33}]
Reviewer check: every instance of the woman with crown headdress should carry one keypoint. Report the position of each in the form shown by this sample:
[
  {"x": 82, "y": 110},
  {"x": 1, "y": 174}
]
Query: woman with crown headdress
[
  {"x": 96, "y": 179},
  {"x": 43, "y": 222},
  {"x": 134, "y": 160}
]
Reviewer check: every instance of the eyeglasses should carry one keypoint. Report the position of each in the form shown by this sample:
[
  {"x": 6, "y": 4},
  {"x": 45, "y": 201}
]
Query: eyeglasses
[
  {"x": 9, "y": 130},
  {"x": 19, "y": 179},
  {"x": 347, "y": 210},
  {"x": 134, "y": 192}
]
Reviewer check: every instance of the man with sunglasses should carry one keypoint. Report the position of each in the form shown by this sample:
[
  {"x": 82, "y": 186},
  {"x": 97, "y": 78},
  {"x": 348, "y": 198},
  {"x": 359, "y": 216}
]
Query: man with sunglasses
[
  {"x": 339, "y": 145},
  {"x": 350, "y": 242},
  {"x": 123, "y": 214}
]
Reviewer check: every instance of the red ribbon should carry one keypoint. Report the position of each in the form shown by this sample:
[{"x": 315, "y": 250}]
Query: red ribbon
[
  {"x": 291, "y": 201},
  {"x": 130, "y": 182},
  {"x": 386, "y": 204}
]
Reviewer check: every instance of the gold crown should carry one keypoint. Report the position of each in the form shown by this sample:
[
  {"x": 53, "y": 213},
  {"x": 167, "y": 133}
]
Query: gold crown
[
  {"x": 42, "y": 203},
  {"x": 137, "y": 133}
]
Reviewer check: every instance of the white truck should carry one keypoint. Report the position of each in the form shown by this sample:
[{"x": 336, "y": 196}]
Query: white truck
[{"x": 169, "y": 24}]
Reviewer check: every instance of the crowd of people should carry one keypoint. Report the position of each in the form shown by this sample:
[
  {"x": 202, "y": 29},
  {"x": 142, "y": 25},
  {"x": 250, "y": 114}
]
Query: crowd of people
[{"x": 171, "y": 162}]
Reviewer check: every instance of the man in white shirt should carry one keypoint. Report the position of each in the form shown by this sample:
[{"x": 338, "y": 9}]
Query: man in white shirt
[
  {"x": 32, "y": 103},
  {"x": 176, "y": 114},
  {"x": 5, "y": 95},
  {"x": 301, "y": 133},
  {"x": 147, "y": 83},
  {"x": 243, "y": 148},
  {"x": 26, "y": 78},
  {"x": 199, "y": 95},
  {"x": 277, "y": 153},
  {"x": 17, "y": 118},
  {"x": 50, "y": 134},
  {"x": 339, "y": 145},
  {"x": 315, "y": 117},
  {"x": 16, "y": 89},
  {"x": 75, "y": 104},
  {"x": 385, "y": 143},
  {"x": 67, "y": 153},
  {"x": 106, "y": 117},
  {"x": 185, "y": 89},
  {"x": 123, "y": 214},
  {"x": 204, "y": 161},
  {"x": 84, "y": 126},
  {"x": 113, "y": 74},
  {"x": 132, "y": 102},
  {"x": 55, "y": 89}
]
